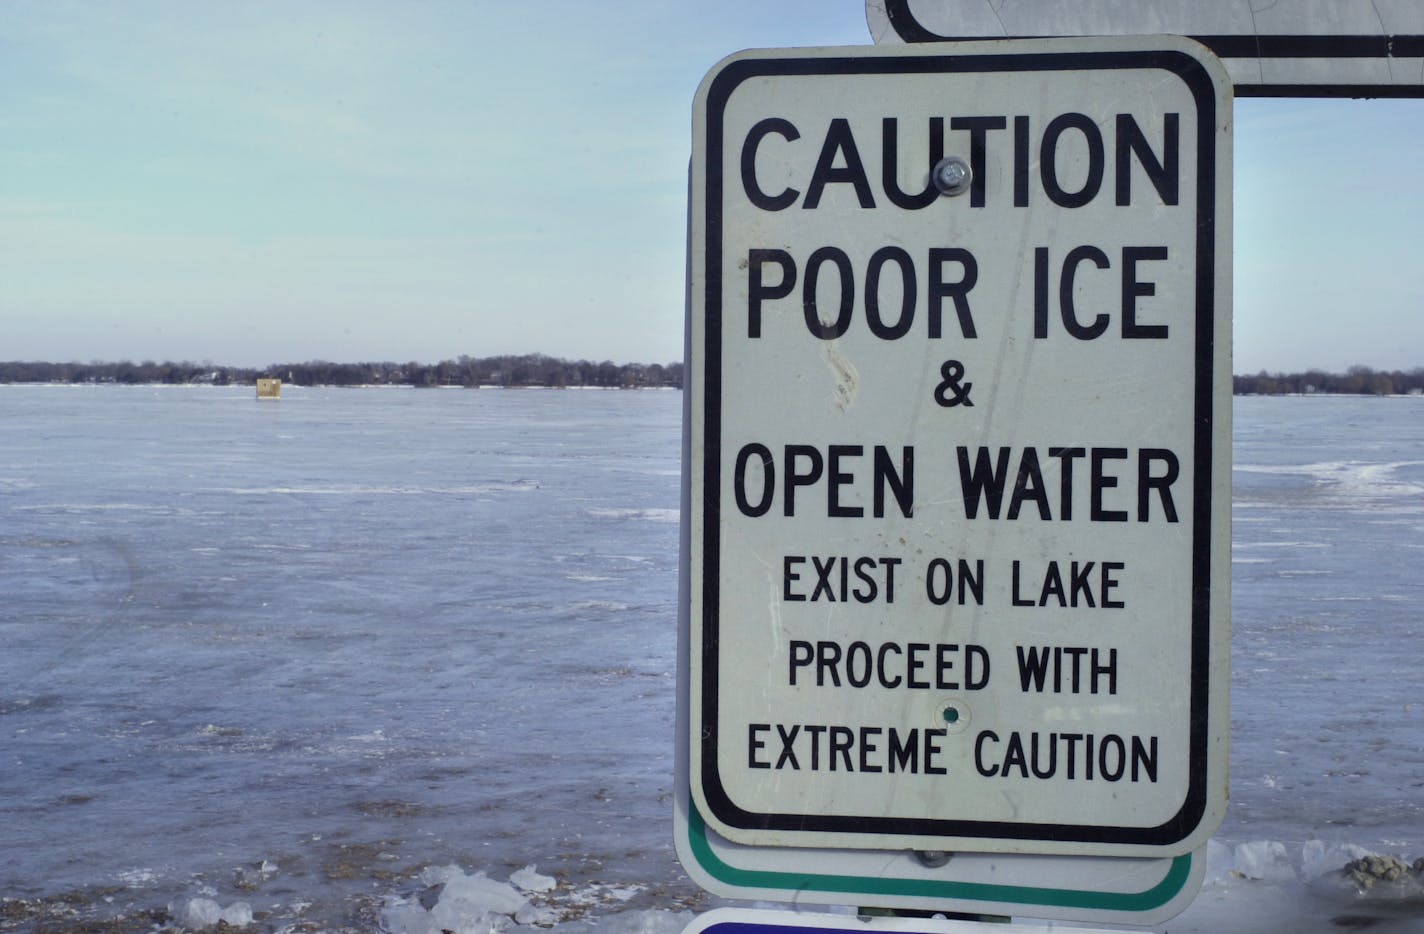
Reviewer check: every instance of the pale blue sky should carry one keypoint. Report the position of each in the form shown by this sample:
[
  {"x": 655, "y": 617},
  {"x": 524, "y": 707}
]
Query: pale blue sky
[{"x": 261, "y": 183}]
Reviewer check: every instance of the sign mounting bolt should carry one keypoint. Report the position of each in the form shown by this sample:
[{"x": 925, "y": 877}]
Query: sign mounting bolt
[{"x": 952, "y": 175}]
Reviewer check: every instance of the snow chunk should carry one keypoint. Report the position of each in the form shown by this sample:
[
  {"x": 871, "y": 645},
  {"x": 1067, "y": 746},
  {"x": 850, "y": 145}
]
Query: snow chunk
[
  {"x": 1264, "y": 860},
  {"x": 405, "y": 917},
  {"x": 237, "y": 915},
  {"x": 457, "y": 902},
  {"x": 1220, "y": 861},
  {"x": 201, "y": 913},
  {"x": 651, "y": 921},
  {"x": 483, "y": 893},
  {"x": 1319, "y": 858},
  {"x": 249, "y": 878},
  {"x": 529, "y": 880},
  {"x": 539, "y": 915}
]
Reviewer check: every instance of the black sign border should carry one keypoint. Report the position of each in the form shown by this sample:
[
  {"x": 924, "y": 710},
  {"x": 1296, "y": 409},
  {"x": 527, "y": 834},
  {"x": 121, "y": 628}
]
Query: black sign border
[{"x": 1204, "y": 92}]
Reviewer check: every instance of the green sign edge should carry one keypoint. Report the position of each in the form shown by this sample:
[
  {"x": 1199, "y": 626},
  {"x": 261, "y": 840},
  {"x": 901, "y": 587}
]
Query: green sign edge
[{"x": 1161, "y": 893}]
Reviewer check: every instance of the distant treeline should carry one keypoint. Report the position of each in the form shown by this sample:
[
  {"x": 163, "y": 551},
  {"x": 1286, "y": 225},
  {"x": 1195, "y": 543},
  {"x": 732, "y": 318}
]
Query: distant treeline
[
  {"x": 527, "y": 370},
  {"x": 1357, "y": 380},
  {"x": 541, "y": 370}
]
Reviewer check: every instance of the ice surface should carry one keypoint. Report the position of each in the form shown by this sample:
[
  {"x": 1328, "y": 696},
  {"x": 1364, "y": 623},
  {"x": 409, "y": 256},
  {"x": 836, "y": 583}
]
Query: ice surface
[{"x": 293, "y": 656}]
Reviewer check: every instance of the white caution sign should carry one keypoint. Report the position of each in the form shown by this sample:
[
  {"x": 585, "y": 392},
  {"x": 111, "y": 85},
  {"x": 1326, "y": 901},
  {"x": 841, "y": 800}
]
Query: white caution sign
[{"x": 958, "y": 544}]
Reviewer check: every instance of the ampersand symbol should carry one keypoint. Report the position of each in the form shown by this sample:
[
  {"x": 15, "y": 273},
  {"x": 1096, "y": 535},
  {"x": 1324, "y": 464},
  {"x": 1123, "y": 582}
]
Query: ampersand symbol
[{"x": 951, "y": 391}]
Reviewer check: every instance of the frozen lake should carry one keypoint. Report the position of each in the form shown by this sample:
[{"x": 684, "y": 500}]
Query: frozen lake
[{"x": 296, "y": 653}]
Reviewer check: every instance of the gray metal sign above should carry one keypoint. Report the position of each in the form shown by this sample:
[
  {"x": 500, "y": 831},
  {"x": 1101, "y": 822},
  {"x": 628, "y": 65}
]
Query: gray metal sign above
[{"x": 1271, "y": 48}]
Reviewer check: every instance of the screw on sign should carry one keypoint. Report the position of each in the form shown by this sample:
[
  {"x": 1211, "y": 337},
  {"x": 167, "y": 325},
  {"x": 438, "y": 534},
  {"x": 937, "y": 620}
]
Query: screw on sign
[{"x": 952, "y": 176}]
